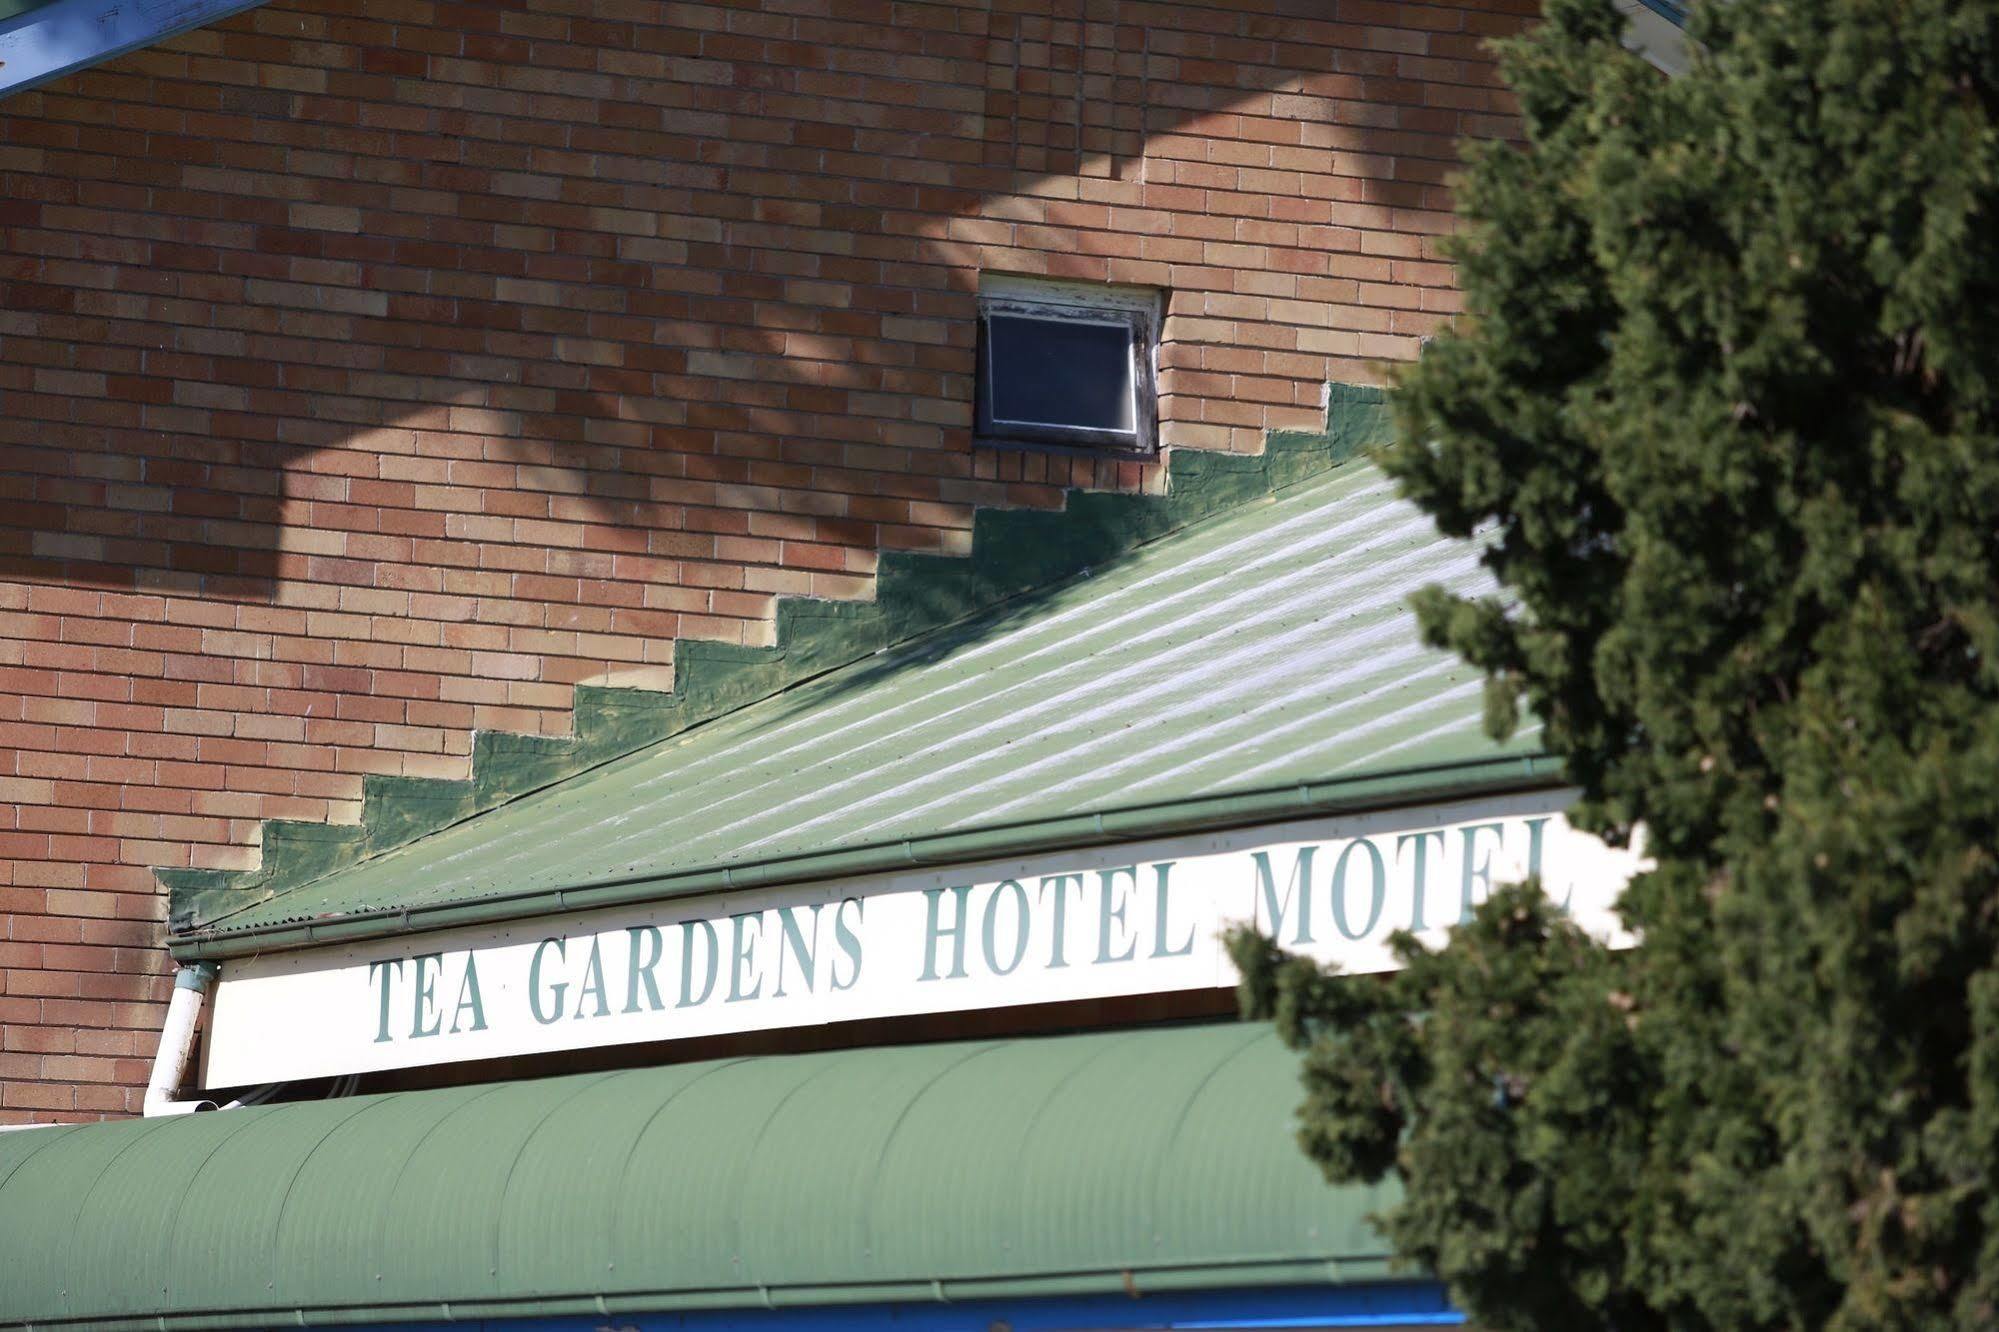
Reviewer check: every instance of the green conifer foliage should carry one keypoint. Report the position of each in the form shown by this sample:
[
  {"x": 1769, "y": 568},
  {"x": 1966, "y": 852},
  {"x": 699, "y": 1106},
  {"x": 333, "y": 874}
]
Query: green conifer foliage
[{"x": 1724, "y": 399}]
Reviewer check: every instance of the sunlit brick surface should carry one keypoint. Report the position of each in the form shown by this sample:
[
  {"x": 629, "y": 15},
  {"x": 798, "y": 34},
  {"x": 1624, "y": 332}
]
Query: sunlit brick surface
[{"x": 372, "y": 372}]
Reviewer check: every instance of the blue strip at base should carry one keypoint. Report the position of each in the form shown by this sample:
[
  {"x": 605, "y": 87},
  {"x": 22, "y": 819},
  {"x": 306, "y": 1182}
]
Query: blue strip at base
[{"x": 1398, "y": 1304}]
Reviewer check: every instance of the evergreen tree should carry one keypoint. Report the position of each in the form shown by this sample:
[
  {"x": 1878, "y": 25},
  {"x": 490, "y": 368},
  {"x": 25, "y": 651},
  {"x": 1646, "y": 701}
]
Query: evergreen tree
[{"x": 1724, "y": 400}]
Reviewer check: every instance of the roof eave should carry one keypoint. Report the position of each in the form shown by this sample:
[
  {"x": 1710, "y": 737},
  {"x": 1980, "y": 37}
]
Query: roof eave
[{"x": 1335, "y": 795}]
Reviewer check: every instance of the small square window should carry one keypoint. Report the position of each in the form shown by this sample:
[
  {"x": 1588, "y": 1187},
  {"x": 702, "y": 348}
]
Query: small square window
[{"x": 1066, "y": 365}]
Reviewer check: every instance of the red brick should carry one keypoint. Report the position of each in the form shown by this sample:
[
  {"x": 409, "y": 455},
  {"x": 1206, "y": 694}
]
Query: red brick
[{"x": 330, "y": 459}]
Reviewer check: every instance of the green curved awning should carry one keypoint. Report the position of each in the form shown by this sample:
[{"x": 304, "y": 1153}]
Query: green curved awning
[{"x": 1145, "y": 1160}]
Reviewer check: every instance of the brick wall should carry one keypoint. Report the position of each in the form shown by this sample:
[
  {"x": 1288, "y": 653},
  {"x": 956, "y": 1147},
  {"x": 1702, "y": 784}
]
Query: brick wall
[{"x": 373, "y": 371}]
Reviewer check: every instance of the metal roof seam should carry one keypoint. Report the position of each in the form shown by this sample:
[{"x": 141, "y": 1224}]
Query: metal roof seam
[
  {"x": 764, "y": 1131},
  {"x": 1208, "y": 521},
  {"x": 181, "y": 1203},
  {"x": 764, "y": 809},
  {"x": 1212, "y": 523},
  {"x": 305, "y": 1159},
  {"x": 76, "y": 1221},
  {"x": 499, "y": 1211},
  {"x": 1174, "y": 694},
  {"x": 615, "y": 1211},
  {"x": 888, "y": 1138}
]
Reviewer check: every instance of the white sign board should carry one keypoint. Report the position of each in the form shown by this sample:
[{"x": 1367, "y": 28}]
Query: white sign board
[{"x": 1142, "y": 918}]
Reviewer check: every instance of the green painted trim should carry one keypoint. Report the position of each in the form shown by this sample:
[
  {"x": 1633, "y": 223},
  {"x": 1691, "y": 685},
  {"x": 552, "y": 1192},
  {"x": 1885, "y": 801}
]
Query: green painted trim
[
  {"x": 1135, "y": 1282},
  {"x": 1014, "y": 551},
  {"x": 1345, "y": 796}
]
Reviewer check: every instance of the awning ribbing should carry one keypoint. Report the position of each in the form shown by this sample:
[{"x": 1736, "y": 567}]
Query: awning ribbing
[{"x": 1134, "y": 1161}]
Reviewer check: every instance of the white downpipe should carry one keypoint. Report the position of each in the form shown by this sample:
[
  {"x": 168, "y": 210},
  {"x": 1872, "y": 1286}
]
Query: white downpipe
[{"x": 176, "y": 1040}]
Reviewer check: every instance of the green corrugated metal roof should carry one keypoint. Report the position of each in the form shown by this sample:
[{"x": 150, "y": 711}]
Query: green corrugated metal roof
[
  {"x": 1045, "y": 1166},
  {"x": 1248, "y": 667}
]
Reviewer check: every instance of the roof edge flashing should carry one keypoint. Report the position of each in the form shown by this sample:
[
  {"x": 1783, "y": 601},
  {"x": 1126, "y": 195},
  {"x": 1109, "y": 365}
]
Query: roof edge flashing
[
  {"x": 1356, "y": 793},
  {"x": 1132, "y": 1282}
]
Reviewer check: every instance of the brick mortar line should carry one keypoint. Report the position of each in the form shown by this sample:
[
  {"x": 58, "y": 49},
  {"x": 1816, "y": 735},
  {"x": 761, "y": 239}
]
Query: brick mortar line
[
  {"x": 764, "y": 118},
  {"x": 803, "y": 432},
  {"x": 975, "y": 452},
  {"x": 1224, "y": 96},
  {"x": 875, "y": 342},
  {"x": 807, "y": 421},
  {"x": 1448, "y": 141},
  {"x": 709, "y": 562},
  {"x": 940, "y": 7},
  {"x": 660, "y": 322},
  {"x": 214, "y": 218},
  {"x": 671, "y": 293},
  {"x": 849, "y": 41}
]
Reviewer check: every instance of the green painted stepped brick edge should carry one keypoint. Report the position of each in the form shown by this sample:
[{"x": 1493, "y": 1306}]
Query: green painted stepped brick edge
[{"x": 1014, "y": 551}]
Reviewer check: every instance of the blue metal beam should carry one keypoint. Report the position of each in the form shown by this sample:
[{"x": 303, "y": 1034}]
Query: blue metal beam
[
  {"x": 51, "y": 40},
  {"x": 1673, "y": 11},
  {"x": 1400, "y": 1304}
]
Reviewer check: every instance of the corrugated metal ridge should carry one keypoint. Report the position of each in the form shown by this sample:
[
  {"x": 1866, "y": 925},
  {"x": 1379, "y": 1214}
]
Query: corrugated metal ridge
[
  {"x": 1112, "y": 1162},
  {"x": 215, "y": 927},
  {"x": 1320, "y": 511}
]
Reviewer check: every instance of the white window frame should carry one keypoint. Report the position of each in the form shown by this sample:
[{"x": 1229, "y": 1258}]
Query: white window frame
[{"x": 1080, "y": 303}]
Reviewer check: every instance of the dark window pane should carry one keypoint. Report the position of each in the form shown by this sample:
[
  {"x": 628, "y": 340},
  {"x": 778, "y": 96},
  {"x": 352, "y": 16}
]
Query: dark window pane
[{"x": 1053, "y": 372}]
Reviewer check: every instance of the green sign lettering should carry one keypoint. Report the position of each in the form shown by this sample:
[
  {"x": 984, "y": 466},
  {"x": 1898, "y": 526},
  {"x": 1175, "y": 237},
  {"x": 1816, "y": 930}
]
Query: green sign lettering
[
  {"x": 848, "y": 941},
  {"x": 743, "y": 955},
  {"x": 641, "y": 964},
  {"x": 557, "y": 991},
  {"x": 1379, "y": 895},
  {"x": 1421, "y": 841},
  {"x": 714, "y": 951},
  {"x": 1477, "y": 872},
  {"x": 931, "y": 930},
  {"x": 382, "y": 1032},
  {"x": 799, "y": 946},
  {"x": 1111, "y": 906},
  {"x": 1160, "y": 929},
  {"x": 1298, "y": 888},
  {"x": 468, "y": 997},
  {"x": 424, "y": 997},
  {"x": 1062, "y": 884},
  {"x": 989, "y": 927}
]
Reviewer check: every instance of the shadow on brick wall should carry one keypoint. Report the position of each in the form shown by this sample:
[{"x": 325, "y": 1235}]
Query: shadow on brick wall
[{"x": 466, "y": 344}]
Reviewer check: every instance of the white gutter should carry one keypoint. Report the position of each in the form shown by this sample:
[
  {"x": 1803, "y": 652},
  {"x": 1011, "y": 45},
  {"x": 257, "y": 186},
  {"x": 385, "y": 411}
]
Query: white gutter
[{"x": 176, "y": 1040}]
